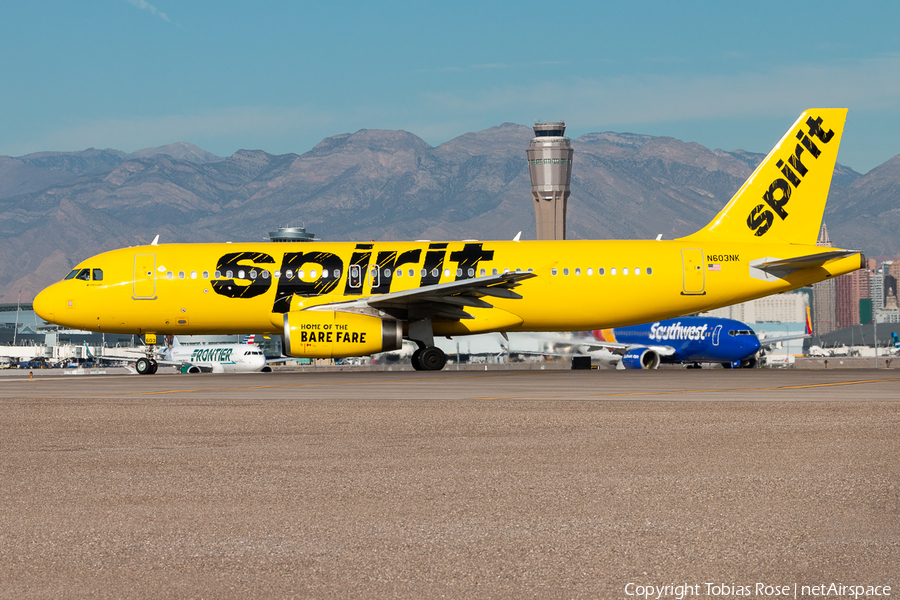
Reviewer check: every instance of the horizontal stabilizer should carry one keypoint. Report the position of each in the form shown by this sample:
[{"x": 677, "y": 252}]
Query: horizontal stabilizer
[{"x": 805, "y": 262}]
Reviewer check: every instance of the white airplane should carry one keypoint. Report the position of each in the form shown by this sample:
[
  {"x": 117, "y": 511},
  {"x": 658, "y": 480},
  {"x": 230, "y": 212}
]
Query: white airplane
[{"x": 218, "y": 358}]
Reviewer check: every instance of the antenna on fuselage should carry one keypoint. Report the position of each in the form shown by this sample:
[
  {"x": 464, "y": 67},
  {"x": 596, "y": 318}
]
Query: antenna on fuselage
[{"x": 155, "y": 241}]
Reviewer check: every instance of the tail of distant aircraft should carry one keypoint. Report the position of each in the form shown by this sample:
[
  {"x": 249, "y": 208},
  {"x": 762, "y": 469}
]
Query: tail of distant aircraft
[
  {"x": 896, "y": 339},
  {"x": 249, "y": 339},
  {"x": 808, "y": 322},
  {"x": 784, "y": 199}
]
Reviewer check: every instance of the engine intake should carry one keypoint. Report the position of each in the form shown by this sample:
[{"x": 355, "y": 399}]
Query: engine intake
[
  {"x": 640, "y": 358},
  {"x": 330, "y": 334}
]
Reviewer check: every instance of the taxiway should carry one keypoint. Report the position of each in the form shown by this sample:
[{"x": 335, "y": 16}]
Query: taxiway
[{"x": 505, "y": 484}]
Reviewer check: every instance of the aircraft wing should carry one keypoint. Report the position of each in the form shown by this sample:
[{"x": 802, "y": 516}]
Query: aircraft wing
[
  {"x": 616, "y": 347},
  {"x": 447, "y": 300},
  {"x": 783, "y": 338},
  {"x": 623, "y": 348}
]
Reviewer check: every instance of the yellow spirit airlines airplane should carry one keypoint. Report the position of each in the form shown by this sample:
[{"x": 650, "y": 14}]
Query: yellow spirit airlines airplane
[{"x": 333, "y": 300}]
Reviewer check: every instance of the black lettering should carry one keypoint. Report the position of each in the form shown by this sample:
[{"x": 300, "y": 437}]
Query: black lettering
[
  {"x": 355, "y": 337},
  {"x": 795, "y": 161},
  {"x": 328, "y": 337},
  {"x": 303, "y": 336},
  {"x": 389, "y": 261},
  {"x": 792, "y": 177},
  {"x": 293, "y": 261},
  {"x": 362, "y": 337},
  {"x": 777, "y": 204},
  {"x": 322, "y": 336},
  {"x": 808, "y": 144},
  {"x": 760, "y": 219},
  {"x": 434, "y": 264},
  {"x": 235, "y": 262},
  {"x": 815, "y": 128},
  {"x": 468, "y": 258}
]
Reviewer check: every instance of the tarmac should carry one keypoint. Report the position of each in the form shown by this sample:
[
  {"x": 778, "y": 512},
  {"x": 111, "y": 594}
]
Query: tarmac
[{"x": 456, "y": 484}]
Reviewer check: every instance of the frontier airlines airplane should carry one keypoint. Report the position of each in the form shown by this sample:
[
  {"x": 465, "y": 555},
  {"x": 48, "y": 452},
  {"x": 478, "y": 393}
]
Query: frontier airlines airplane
[{"x": 331, "y": 300}]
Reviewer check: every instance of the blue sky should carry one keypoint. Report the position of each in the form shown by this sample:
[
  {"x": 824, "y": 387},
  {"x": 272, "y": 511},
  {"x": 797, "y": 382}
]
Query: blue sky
[{"x": 280, "y": 76}]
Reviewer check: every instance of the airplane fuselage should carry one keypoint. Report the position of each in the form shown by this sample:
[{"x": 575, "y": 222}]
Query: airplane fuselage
[
  {"x": 232, "y": 288},
  {"x": 240, "y": 358}
]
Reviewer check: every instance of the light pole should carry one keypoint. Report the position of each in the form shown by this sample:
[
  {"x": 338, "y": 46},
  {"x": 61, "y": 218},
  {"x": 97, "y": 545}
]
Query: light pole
[{"x": 16, "y": 330}]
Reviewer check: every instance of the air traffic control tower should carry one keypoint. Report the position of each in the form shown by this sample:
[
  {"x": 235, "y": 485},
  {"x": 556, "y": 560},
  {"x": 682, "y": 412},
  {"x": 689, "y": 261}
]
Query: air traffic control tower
[{"x": 550, "y": 164}]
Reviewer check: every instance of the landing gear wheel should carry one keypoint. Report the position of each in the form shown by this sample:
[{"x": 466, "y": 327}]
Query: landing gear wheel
[
  {"x": 143, "y": 366},
  {"x": 414, "y": 359},
  {"x": 153, "y": 366},
  {"x": 432, "y": 359}
]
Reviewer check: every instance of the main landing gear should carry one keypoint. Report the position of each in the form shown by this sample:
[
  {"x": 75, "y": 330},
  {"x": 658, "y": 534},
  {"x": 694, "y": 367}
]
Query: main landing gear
[
  {"x": 146, "y": 366},
  {"x": 428, "y": 357}
]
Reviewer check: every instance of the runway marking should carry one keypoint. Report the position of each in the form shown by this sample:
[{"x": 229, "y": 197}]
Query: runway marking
[
  {"x": 282, "y": 386},
  {"x": 711, "y": 391},
  {"x": 370, "y": 382}
]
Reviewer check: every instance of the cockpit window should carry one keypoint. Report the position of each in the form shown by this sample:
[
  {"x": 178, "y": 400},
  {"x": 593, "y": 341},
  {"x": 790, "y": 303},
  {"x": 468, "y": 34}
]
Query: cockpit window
[
  {"x": 97, "y": 274},
  {"x": 737, "y": 332},
  {"x": 71, "y": 274}
]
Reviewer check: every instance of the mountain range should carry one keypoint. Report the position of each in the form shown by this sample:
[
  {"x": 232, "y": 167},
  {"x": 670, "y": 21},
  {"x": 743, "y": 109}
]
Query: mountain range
[{"x": 58, "y": 208}]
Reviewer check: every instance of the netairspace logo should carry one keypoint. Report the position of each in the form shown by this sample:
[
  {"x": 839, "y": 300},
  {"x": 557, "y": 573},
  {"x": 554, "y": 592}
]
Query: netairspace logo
[{"x": 758, "y": 590}]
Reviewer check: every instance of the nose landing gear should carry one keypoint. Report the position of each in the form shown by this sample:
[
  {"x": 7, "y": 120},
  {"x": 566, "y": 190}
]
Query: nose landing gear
[{"x": 146, "y": 366}]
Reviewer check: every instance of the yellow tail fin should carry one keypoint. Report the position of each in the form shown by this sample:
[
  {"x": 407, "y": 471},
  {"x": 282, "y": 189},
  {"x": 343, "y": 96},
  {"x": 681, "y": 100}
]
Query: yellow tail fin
[{"x": 784, "y": 199}]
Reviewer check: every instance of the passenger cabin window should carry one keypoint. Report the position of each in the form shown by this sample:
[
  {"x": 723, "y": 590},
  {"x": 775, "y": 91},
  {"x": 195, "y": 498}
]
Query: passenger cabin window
[{"x": 354, "y": 276}]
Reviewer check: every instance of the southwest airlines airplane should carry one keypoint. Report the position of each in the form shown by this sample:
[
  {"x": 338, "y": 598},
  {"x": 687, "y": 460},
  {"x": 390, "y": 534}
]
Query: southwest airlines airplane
[
  {"x": 333, "y": 300},
  {"x": 688, "y": 340}
]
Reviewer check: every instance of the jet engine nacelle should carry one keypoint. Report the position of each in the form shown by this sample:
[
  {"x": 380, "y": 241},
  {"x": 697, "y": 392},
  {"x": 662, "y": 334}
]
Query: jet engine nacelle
[
  {"x": 640, "y": 358},
  {"x": 330, "y": 334}
]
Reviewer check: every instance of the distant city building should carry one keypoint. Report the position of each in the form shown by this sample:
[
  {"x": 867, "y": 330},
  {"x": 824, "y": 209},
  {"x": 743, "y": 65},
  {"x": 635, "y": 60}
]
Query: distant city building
[
  {"x": 824, "y": 316},
  {"x": 876, "y": 286},
  {"x": 850, "y": 289},
  {"x": 550, "y": 165},
  {"x": 292, "y": 234}
]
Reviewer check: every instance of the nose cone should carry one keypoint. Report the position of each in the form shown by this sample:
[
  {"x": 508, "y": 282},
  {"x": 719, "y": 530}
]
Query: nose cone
[
  {"x": 45, "y": 305},
  {"x": 752, "y": 345}
]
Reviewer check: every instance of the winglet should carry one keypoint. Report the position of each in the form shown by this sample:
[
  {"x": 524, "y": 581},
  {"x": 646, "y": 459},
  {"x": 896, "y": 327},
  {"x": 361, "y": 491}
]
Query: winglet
[{"x": 808, "y": 322}]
